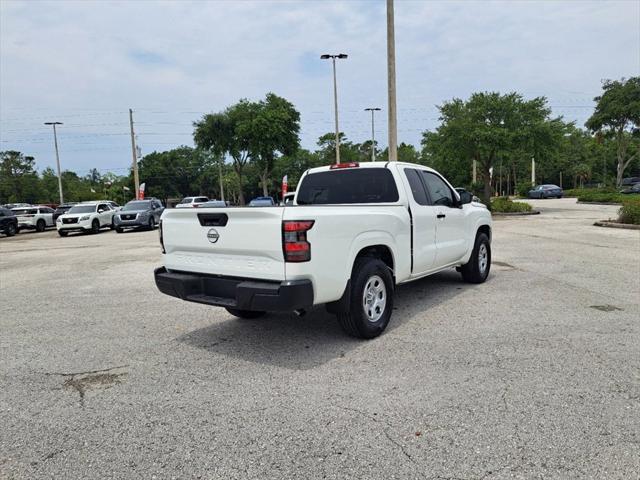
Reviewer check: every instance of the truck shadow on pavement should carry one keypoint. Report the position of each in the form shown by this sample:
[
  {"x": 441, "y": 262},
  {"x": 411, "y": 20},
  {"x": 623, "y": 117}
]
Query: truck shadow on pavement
[{"x": 301, "y": 343}]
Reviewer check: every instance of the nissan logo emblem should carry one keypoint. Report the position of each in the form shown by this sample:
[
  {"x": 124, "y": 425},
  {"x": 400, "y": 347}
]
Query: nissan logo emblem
[{"x": 213, "y": 235}]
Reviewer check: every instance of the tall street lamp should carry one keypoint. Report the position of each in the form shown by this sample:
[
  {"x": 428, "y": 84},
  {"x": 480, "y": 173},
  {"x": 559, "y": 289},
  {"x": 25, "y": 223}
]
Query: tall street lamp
[
  {"x": 373, "y": 143},
  {"x": 326, "y": 56},
  {"x": 55, "y": 141}
]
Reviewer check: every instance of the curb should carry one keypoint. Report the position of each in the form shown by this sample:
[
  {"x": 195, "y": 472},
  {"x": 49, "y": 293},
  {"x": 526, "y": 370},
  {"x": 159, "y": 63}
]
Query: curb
[
  {"x": 515, "y": 214},
  {"x": 600, "y": 203},
  {"x": 625, "y": 226}
]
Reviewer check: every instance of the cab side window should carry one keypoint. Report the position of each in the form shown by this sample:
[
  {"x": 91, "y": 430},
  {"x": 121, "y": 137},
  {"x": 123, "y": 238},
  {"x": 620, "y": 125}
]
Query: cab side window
[
  {"x": 439, "y": 191},
  {"x": 417, "y": 188},
  {"x": 104, "y": 207}
]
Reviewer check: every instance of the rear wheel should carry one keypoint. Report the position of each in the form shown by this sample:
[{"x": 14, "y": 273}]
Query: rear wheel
[
  {"x": 477, "y": 269},
  {"x": 249, "y": 314},
  {"x": 11, "y": 230},
  {"x": 95, "y": 226},
  {"x": 40, "y": 226},
  {"x": 371, "y": 302},
  {"x": 62, "y": 233}
]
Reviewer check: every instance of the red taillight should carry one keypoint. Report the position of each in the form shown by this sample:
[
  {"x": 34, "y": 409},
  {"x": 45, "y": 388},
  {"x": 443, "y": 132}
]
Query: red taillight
[
  {"x": 295, "y": 246},
  {"x": 344, "y": 165}
]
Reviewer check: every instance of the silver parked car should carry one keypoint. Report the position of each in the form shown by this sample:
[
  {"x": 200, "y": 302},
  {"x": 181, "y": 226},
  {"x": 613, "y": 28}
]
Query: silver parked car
[{"x": 138, "y": 213}]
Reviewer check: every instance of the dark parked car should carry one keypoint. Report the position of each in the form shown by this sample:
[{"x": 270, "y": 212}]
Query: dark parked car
[
  {"x": 64, "y": 208},
  {"x": 8, "y": 222},
  {"x": 634, "y": 189},
  {"x": 546, "y": 191},
  {"x": 629, "y": 181},
  {"x": 138, "y": 213}
]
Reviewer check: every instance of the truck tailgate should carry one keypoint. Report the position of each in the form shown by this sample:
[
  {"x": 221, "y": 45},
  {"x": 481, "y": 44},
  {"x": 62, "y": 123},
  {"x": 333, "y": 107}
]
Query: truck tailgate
[{"x": 237, "y": 242}]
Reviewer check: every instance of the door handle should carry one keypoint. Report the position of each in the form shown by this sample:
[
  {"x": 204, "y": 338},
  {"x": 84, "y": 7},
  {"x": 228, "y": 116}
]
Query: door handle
[{"x": 440, "y": 215}]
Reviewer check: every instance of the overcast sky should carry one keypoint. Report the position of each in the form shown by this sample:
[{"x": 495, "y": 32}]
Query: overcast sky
[{"x": 86, "y": 63}]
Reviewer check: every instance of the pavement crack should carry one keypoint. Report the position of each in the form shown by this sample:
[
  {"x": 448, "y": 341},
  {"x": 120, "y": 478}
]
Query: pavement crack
[
  {"x": 384, "y": 430},
  {"x": 88, "y": 372}
]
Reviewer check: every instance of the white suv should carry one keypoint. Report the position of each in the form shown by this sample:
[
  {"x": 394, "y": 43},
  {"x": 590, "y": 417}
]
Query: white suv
[
  {"x": 37, "y": 217},
  {"x": 86, "y": 217},
  {"x": 188, "y": 202}
]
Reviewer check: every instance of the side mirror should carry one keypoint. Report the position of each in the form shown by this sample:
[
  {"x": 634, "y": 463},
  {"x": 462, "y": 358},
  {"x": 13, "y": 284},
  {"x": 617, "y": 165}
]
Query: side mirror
[
  {"x": 100, "y": 211},
  {"x": 465, "y": 197}
]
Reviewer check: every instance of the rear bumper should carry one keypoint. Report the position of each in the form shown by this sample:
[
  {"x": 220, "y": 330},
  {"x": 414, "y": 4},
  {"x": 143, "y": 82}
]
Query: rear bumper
[{"x": 243, "y": 294}]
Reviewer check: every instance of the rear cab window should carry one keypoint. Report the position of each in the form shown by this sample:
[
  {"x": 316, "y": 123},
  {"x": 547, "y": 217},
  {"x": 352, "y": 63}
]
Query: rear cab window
[{"x": 347, "y": 186}]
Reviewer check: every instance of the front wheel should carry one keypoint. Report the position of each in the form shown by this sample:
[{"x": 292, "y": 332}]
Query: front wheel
[
  {"x": 11, "y": 230},
  {"x": 371, "y": 302},
  {"x": 95, "y": 226},
  {"x": 40, "y": 226},
  {"x": 152, "y": 224},
  {"x": 248, "y": 314},
  {"x": 62, "y": 233},
  {"x": 476, "y": 270}
]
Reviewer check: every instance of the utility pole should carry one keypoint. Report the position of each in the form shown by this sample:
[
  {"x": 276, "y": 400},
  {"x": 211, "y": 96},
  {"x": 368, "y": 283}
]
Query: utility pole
[
  {"x": 335, "y": 97},
  {"x": 373, "y": 143},
  {"x": 391, "y": 81},
  {"x": 136, "y": 180},
  {"x": 55, "y": 141},
  {"x": 474, "y": 173}
]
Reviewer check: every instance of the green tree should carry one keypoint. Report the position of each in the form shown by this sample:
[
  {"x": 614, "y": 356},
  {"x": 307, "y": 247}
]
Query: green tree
[
  {"x": 617, "y": 115},
  {"x": 274, "y": 133},
  {"x": 19, "y": 181},
  {"x": 174, "y": 173},
  {"x": 489, "y": 127},
  {"x": 349, "y": 152},
  {"x": 229, "y": 133}
]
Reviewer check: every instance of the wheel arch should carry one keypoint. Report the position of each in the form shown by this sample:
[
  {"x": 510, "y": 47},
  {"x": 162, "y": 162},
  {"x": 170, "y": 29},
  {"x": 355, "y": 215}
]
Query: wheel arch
[{"x": 381, "y": 251}]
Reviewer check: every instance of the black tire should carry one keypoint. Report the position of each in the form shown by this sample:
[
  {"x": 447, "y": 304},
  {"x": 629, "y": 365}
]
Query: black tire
[
  {"x": 11, "y": 230},
  {"x": 119, "y": 230},
  {"x": 40, "y": 226},
  {"x": 367, "y": 320},
  {"x": 112, "y": 226},
  {"x": 248, "y": 314},
  {"x": 152, "y": 223},
  {"x": 477, "y": 269},
  {"x": 63, "y": 233},
  {"x": 95, "y": 226}
]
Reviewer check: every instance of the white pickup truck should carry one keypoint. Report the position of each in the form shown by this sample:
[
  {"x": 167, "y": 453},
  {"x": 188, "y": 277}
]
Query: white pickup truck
[{"x": 354, "y": 232}]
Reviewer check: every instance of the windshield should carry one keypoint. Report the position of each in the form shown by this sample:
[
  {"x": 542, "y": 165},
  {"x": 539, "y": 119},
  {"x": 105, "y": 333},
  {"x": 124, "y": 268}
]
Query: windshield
[
  {"x": 354, "y": 185},
  {"x": 25, "y": 211},
  {"x": 82, "y": 209},
  {"x": 136, "y": 206}
]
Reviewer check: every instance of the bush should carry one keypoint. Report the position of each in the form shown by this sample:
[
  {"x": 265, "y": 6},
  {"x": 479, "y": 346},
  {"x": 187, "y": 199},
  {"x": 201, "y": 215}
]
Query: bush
[
  {"x": 522, "y": 189},
  {"x": 505, "y": 205},
  {"x": 599, "y": 195},
  {"x": 630, "y": 211}
]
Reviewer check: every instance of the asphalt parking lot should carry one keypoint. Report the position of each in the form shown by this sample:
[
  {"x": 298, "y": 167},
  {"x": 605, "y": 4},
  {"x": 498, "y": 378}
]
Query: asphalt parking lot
[{"x": 534, "y": 374}]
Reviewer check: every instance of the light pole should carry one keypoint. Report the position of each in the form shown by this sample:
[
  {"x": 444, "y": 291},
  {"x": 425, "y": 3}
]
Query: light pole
[
  {"x": 55, "y": 141},
  {"x": 326, "y": 56},
  {"x": 391, "y": 83},
  {"x": 373, "y": 143}
]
